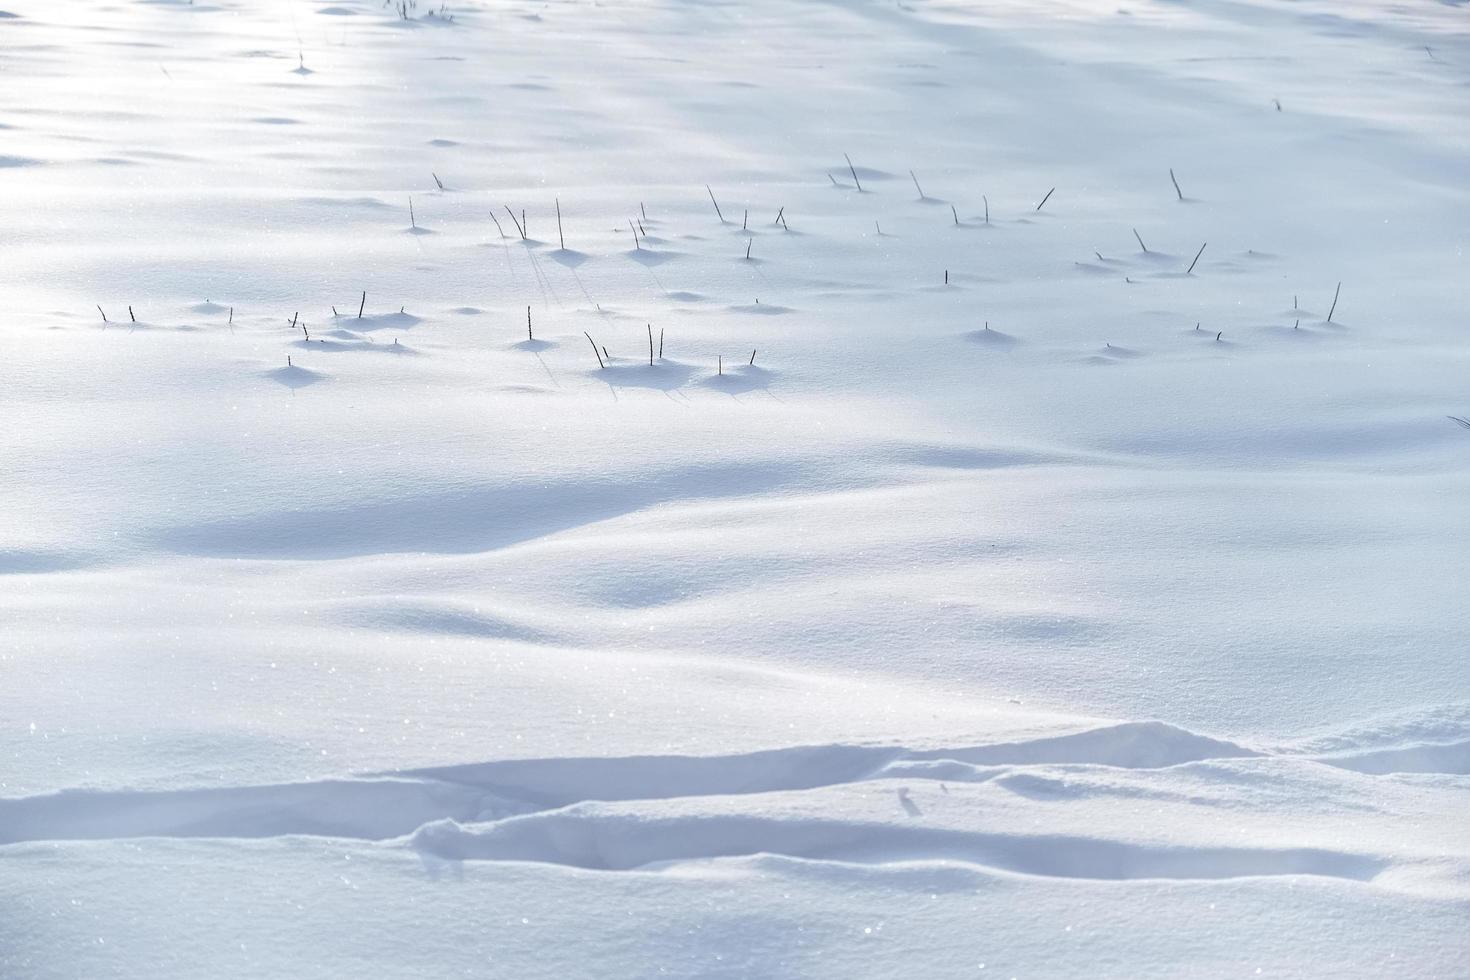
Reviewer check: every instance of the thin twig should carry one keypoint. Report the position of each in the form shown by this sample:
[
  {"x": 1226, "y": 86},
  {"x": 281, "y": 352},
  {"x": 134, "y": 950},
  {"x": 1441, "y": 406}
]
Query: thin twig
[
  {"x": 853, "y": 170},
  {"x": 1196, "y": 259},
  {"x": 513, "y": 221},
  {"x": 595, "y": 353}
]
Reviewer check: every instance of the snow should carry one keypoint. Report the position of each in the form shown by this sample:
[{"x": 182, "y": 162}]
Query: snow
[{"x": 966, "y": 590}]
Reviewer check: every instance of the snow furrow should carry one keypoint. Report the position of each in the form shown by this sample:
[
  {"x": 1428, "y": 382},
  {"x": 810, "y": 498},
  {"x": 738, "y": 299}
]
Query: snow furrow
[
  {"x": 620, "y": 842},
  {"x": 385, "y": 805}
]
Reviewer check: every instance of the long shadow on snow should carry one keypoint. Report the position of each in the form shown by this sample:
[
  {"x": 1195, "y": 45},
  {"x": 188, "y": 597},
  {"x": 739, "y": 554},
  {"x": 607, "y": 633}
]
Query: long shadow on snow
[
  {"x": 465, "y": 521},
  {"x": 379, "y": 806},
  {"x": 587, "y": 837}
]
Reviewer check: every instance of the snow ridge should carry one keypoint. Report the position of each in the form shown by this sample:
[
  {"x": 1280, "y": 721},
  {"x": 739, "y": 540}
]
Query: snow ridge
[
  {"x": 1024, "y": 807},
  {"x": 384, "y": 805}
]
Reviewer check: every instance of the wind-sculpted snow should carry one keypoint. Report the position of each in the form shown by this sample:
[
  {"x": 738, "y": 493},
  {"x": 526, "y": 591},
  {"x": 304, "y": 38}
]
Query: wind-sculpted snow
[
  {"x": 1452, "y": 758},
  {"x": 893, "y": 488},
  {"x": 1135, "y": 745},
  {"x": 369, "y": 809},
  {"x": 1434, "y": 739},
  {"x": 587, "y": 838},
  {"x": 1058, "y": 806},
  {"x": 466, "y": 519},
  {"x": 390, "y": 804},
  {"x": 1062, "y": 806}
]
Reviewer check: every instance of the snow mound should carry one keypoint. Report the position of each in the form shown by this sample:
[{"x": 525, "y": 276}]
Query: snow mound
[
  {"x": 1132, "y": 745},
  {"x": 383, "y": 805},
  {"x": 591, "y": 838}
]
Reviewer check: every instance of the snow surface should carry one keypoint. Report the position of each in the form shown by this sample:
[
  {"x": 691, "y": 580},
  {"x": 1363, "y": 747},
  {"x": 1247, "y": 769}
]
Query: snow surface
[{"x": 1031, "y": 606}]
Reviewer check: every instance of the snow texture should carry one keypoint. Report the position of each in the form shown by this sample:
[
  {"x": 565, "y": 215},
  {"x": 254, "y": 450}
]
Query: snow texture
[{"x": 553, "y": 488}]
